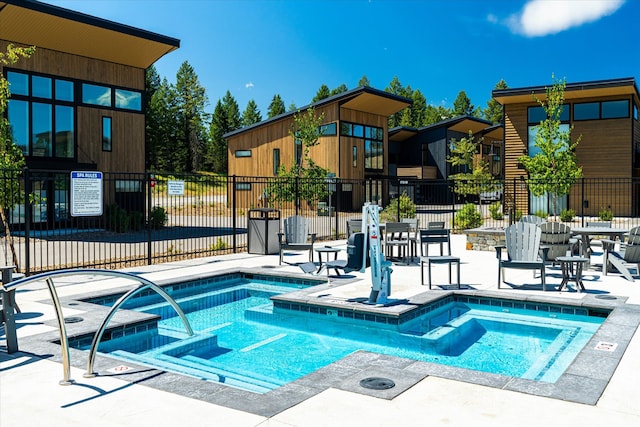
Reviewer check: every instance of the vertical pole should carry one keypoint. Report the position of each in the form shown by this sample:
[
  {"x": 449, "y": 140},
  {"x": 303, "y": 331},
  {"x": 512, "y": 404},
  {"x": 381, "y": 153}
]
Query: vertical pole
[
  {"x": 8, "y": 308},
  {"x": 582, "y": 211},
  {"x": 64, "y": 342},
  {"x": 147, "y": 181},
  {"x": 27, "y": 222},
  {"x": 297, "y": 195},
  {"x": 234, "y": 225},
  {"x": 338, "y": 197}
]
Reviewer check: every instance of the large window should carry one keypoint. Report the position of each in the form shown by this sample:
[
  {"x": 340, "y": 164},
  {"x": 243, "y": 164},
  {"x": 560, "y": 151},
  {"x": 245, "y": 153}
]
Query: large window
[
  {"x": 601, "y": 110},
  {"x": 41, "y": 113},
  {"x": 373, "y": 143}
]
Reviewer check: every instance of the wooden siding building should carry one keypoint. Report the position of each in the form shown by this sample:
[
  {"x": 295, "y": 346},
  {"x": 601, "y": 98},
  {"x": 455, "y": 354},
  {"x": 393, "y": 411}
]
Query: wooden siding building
[
  {"x": 78, "y": 102},
  {"x": 605, "y": 114},
  {"x": 421, "y": 153},
  {"x": 353, "y": 144}
]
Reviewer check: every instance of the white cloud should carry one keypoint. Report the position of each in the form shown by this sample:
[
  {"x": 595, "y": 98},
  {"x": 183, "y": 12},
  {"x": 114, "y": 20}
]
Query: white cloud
[
  {"x": 544, "y": 17},
  {"x": 492, "y": 18},
  {"x": 248, "y": 85}
]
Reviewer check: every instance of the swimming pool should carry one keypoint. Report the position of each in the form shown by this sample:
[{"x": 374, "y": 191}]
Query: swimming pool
[{"x": 243, "y": 340}]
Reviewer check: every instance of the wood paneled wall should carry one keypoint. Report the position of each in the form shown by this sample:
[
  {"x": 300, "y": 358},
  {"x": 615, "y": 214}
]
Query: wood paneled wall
[
  {"x": 128, "y": 128},
  {"x": 80, "y": 68},
  {"x": 605, "y": 151}
]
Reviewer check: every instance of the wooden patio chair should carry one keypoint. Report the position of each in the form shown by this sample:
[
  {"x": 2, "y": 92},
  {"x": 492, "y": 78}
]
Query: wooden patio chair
[
  {"x": 627, "y": 257},
  {"x": 556, "y": 238},
  {"x": 396, "y": 235},
  {"x": 414, "y": 228},
  {"x": 532, "y": 219},
  {"x": 523, "y": 250},
  {"x": 296, "y": 236}
]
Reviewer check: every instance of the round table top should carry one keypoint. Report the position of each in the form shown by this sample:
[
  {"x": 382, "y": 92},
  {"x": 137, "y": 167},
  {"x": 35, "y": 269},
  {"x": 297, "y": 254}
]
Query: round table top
[{"x": 572, "y": 259}]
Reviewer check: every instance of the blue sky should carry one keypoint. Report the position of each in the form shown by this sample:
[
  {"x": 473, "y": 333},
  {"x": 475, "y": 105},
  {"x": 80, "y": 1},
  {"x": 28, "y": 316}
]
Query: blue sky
[{"x": 257, "y": 48}]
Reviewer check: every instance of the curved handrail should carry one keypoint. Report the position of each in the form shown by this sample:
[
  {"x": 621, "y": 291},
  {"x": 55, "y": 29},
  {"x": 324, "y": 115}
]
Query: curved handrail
[
  {"x": 98, "y": 336},
  {"x": 47, "y": 277}
]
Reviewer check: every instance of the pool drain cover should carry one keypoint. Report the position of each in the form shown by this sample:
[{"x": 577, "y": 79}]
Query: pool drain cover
[
  {"x": 72, "y": 319},
  {"x": 376, "y": 383}
]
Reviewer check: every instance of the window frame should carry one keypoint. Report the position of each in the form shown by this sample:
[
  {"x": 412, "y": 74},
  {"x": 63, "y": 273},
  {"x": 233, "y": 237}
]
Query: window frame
[{"x": 107, "y": 146}]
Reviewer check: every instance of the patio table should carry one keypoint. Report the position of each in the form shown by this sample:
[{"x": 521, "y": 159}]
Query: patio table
[{"x": 585, "y": 232}]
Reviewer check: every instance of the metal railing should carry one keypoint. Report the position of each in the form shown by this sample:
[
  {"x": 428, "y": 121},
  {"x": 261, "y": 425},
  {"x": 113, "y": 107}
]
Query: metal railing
[
  {"x": 153, "y": 218},
  {"x": 10, "y": 328}
]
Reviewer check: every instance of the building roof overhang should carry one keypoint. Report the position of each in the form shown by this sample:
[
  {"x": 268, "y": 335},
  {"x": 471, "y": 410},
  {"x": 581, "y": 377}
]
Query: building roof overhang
[
  {"x": 363, "y": 98},
  {"x": 592, "y": 89},
  {"x": 462, "y": 124},
  {"x": 33, "y": 23}
]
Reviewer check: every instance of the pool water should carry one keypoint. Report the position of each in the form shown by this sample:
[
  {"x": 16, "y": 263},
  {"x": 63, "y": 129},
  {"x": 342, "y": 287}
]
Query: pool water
[{"x": 241, "y": 340}]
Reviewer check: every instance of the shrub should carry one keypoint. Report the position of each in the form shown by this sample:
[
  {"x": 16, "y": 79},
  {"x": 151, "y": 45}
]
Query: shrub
[
  {"x": 517, "y": 215},
  {"x": 494, "y": 209},
  {"x": 468, "y": 217},
  {"x": 567, "y": 215},
  {"x": 406, "y": 206},
  {"x": 158, "y": 218},
  {"x": 117, "y": 219},
  {"x": 605, "y": 214},
  {"x": 219, "y": 245},
  {"x": 541, "y": 214}
]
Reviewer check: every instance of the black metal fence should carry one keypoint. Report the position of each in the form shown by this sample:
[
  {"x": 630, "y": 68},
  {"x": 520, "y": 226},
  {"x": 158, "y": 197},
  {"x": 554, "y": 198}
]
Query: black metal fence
[{"x": 152, "y": 218}]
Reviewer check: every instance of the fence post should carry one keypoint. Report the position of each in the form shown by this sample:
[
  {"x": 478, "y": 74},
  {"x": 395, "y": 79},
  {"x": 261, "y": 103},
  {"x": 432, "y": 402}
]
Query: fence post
[
  {"x": 233, "y": 213},
  {"x": 338, "y": 194},
  {"x": 27, "y": 222},
  {"x": 582, "y": 208},
  {"x": 147, "y": 182}
]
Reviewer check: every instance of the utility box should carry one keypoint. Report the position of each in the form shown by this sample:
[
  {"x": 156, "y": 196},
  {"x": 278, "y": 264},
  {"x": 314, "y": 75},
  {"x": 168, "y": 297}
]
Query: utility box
[{"x": 263, "y": 229}]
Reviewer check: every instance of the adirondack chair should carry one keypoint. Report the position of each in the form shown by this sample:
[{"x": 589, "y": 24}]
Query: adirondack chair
[
  {"x": 556, "y": 237},
  {"x": 523, "y": 246},
  {"x": 532, "y": 219},
  {"x": 296, "y": 236},
  {"x": 629, "y": 254}
]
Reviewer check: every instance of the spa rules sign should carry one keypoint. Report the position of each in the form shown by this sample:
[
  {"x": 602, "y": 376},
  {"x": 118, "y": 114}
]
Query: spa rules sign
[{"x": 86, "y": 193}]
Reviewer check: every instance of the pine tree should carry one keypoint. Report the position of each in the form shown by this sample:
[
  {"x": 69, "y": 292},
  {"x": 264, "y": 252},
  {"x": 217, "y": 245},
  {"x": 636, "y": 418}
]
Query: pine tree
[
  {"x": 192, "y": 99},
  {"x": 251, "y": 114},
  {"x": 276, "y": 107},
  {"x": 321, "y": 94},
  {"x": 340, "y": 89},
  {"x": 216, "y": 154},
  {"x": 364, "y": 81},
  {"x": 493, "y": 112},
  {"x": 162, "y": 111},
  {"x": 462, "y": 106}
]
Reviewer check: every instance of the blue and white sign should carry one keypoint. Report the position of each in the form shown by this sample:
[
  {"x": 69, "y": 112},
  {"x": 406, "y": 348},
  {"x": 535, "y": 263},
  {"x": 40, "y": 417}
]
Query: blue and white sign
[
  {"x": 175, "y": 188},
  {"x": 86, "y": 193}
]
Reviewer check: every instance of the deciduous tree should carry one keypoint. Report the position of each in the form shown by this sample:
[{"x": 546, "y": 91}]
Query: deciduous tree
[
  {"x": 554, "y": 169},
  {"x": 11, "y": 157}
]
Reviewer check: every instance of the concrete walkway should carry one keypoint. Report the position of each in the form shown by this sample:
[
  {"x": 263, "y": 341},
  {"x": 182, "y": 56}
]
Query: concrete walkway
[{"x": 30, "y": 394}]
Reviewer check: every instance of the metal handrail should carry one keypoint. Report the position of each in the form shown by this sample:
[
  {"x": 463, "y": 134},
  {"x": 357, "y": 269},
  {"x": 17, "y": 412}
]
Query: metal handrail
[
  {"x": 98, "y": 336},
  {"x": 64, "y": 341}
]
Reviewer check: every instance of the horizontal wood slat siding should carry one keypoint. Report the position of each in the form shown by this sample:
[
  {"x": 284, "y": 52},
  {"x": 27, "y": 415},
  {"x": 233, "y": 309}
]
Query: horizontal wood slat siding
[
  {"x": 80, "y": 68},
  {"x": 605, "y": 150}
]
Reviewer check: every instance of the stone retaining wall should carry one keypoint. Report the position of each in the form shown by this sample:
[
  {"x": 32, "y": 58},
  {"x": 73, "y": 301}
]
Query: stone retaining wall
[{"x": 484, "y": 239}]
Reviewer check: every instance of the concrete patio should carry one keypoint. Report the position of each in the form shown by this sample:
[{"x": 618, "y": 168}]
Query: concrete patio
[{"x": 30, "y": 393}]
